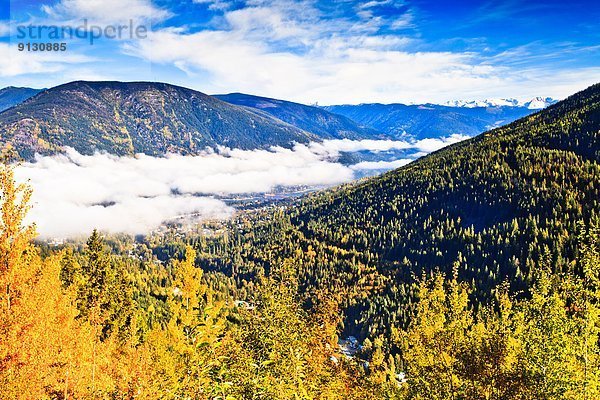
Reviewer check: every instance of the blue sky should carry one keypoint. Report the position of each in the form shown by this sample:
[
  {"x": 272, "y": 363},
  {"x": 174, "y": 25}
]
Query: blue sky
[{"x": 331, "y": 52}]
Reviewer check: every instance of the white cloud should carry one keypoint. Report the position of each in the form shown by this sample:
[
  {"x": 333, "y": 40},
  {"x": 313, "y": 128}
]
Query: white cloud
[
  {"x": 267, "y": 23},
  {"x": 330, "y": 74},
  {"x": 75, "y": 193},
  {"x": 106, "y": 12},
  {"x": 428, "y": 145},
  {"x": 271, "y": 49},
  {"x": 14, "y": 62},
  {"x": 215, "y": 4},
  {"x": 405, "y": 21},
  {"x": 374, "y": 3},
  {"x": 380, "y": 165},
  {"x": 4, "y": 28},
  {"x": 135, "y": 195},
  {"x": 131, "y": 215},
  {"x": 334, "y": 69},
  {"x": 346, "y": 145},
  {"x": 79, "y": 61}
]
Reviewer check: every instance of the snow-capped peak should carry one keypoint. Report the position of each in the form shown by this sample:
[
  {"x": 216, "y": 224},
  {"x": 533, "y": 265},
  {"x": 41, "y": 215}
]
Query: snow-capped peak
[
  {"x": 483, "y": 103},
  {"x": 533, "y": 104},
  {"x": 538, "y": 103}
]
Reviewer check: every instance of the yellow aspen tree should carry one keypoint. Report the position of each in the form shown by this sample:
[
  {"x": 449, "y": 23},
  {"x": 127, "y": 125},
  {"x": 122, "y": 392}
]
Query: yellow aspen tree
[
  {"x": 186, "y": 352},
  {"x": 43, "y": 349},
  {"x": 432, "y": 345},
  {"x": 17, "y": 273}
]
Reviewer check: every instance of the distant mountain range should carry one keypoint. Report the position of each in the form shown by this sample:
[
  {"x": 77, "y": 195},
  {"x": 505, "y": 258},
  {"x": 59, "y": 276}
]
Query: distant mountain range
[
  {"x": 432, "y": 120},
  {"x": 124, "y": 118},
  {"x": 11, "y": 96},
  {"x": 536, "y": 103},
  {"x": 311, "y": 119}
]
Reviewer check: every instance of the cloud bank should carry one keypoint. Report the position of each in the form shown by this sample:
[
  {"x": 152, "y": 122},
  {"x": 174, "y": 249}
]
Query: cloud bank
[{"x": 75, "y": 193}]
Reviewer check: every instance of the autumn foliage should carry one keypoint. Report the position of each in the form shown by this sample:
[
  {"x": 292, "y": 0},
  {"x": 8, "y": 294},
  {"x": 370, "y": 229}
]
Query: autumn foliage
[{"x": 76, "y": 325}]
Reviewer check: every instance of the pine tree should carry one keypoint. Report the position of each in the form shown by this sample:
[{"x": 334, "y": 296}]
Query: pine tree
[{"x": 104, "y": 296}]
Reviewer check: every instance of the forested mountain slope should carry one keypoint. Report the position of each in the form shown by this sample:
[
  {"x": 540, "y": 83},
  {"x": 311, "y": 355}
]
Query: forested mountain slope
[
  {"x": 428, "y": 120},
  {"x": 311, "y": 119},
  {"x": 127, "y": 118},
  {"x": 494, "y": 207}
]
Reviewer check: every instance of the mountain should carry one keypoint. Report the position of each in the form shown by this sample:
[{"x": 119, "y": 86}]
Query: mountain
[
  {"x": 535, "y": 103},
  {"x": 538, "y": 103},
  {"x": 492, "y": 209},
  {"x": 11, "y": 96},
  {"x": 484, "y": 103},
  {"x": 430, "y": 120},
  {"x": 136, "y": 117},
  {"x": 311, "y": 119}
]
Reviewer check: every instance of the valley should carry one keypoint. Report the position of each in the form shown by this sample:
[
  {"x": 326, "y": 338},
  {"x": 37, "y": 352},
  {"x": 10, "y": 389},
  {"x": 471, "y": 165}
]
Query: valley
[
  {"x": 299, "y": 200},
  {"x": 481, "y": 231}
]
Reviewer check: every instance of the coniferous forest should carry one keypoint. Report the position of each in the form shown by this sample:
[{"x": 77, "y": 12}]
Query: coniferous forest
[{"x": 471, "y": 273}]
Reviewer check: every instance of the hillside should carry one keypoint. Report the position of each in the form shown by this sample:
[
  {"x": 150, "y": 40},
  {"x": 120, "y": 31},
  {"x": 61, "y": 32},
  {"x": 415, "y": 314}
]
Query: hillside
[
  {"x": 429, "y": 120},
  {"x": 311, "y": 119},
  {"x": 496, "y": 208},
  {"x": 127, "y": 118},
  {"x": 11, "y": 96}
]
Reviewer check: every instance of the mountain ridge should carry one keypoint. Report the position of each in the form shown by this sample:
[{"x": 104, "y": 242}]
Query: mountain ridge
[
  {"x": 124, "y": 118},
  {"x": 535, "y": 103},
  {"x": 311, "y": 119},
  {"x": 427, "y": 120}
]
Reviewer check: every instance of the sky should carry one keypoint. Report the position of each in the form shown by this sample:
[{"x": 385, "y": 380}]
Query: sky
[{"x": 325, "y": 52}]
